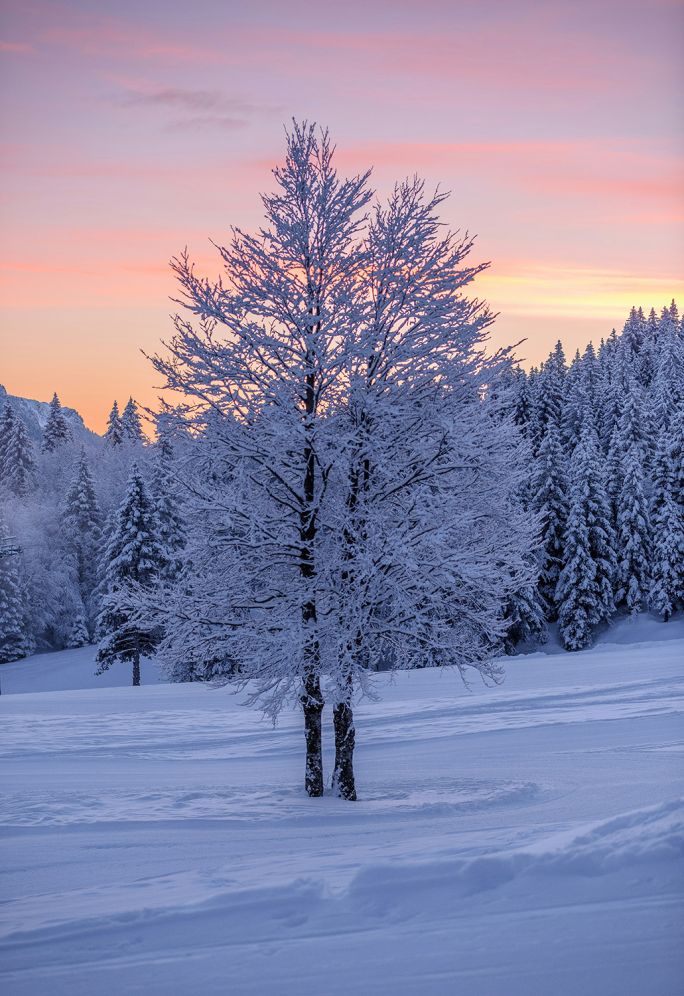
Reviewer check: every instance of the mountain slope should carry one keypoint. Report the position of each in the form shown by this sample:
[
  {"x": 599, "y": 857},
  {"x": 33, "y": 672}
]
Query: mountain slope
[{"x": 34, "y": 415}]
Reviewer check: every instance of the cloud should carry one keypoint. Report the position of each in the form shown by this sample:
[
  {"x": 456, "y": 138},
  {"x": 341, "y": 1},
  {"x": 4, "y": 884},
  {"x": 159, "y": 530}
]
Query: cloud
[
  {"x": 17, "y": 47},
  {"x": 96, "y": 33},
  {"x": 599, "y": 171},
  {"x": 200, "y": 108},
  {"x": 210, "y": 121}
]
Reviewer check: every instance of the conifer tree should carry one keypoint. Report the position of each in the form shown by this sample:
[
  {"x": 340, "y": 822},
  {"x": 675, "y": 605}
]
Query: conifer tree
[
  {"x": 631, "y": 422},
  {"x": 165, "y": 425},
  {"x": 7, "y": 420},
  {"x": 590, "y": 373},
  {"x": 114, "y": 431},
  {"x": 632, "y": 534},
  {"x": 629, "y": 432},
  {"x": 130, "y": 423},
  {"x": 82, "y": 523},
  {"x": 14, "y": 640},
  {"x": 577, "y": 409},
  {"x": 533, "y": 431},
  {"x": 648, "y": 361},
  {"x": 522, "y": 407},
  {"x": 134, "y": 557},
  {"x": 167, "y": 507},
  {"x": 551, "y": 503},
  {"x": 633, "y": 336},
  {"x": 609, "y": 406},
  {"x": 525, "y": 620},
  {"x": 550, "y": 388},
  {"x": 667, "y": 552},
  {"x": 614, "y": 472},
  {"x": 676, "y": 435},
  {"x": 56, "y": 432},
  {"x": 585, "y": 587},
  {"x": 78, "y": 635},
  {"x": 572, "y": 410},
  {"x": 19, "y": 465}
]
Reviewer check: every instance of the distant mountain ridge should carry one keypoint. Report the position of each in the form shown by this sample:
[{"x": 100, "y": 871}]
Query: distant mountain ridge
[{"x": 35, "y": 413}]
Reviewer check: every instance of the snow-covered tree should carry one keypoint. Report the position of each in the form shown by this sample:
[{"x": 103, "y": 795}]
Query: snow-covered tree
[
  {"x": 14, "y": 640},
  {"x": 56, "y": 432},
  {"x": 288, "y": 311},
  {"x": 133, "y": 558},
  {"x": 79, "y": 635},
  {"x": 82, "y": 522},
  {"x": 7, "y": 420},
  {"x": 549, "y": 392},
  {"x": 167, "y": 432},
  {"x": 667, "y": 522},
  {"x": 551, "y": 503},
  {"x": 585, "y": 586},
  {"x": 524, "y": 617},
  {"x": 114, "y": 432},
  {"x": 130, "y": 423},
  {"x": 676, "y": 441},
  {"x": 19, "y": 465},
  {"x": 613, "y": 472},
  {"x": 633, "y": 534},
  {"x": 166, "y": 497},
  {"x": 354, "y": 502}
]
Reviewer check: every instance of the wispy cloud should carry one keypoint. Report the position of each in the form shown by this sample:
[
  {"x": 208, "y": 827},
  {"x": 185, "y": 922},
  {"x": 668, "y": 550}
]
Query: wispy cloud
[
  {"x": 199, "y": 108},
  {"x": 596, "y": 171},
  {"x": 99, "y": 31},
  {"x": 20, "y": 48}
]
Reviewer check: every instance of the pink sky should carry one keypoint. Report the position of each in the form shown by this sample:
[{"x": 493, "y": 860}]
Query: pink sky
[{"x": 131, "y": 130}]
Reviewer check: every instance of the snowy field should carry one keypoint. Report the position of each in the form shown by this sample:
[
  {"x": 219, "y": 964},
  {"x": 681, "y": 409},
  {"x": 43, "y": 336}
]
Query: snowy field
[{"x": 509, "y": 842}]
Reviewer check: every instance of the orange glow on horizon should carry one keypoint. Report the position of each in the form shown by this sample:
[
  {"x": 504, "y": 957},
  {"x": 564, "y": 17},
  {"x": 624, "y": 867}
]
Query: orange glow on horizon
[{"x": 131, "y": 133}]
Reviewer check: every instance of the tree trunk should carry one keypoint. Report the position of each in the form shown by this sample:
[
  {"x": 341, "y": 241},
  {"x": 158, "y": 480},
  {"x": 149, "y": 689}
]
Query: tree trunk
[
  {"x": 345, "y": 738},
  {"x": 312, "y": 706},
  {"x": 312, "y": 696},
  {"x": 136, "y": 668}
]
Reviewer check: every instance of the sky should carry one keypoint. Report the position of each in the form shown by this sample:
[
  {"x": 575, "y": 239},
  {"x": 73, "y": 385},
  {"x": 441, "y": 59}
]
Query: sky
[{"x": 133, "y": 129}]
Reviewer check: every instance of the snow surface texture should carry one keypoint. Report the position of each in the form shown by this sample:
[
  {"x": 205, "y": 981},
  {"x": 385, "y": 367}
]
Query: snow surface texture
[{"x": 514, "y": 841}]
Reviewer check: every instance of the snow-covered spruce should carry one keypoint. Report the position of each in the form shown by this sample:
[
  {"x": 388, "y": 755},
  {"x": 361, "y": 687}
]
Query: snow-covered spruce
[
  {"x": 82, "y": 524},
  {"x": 586, "y": 584},
  {"x": 551, "y": 503},
  {"x": 131, "y": 427},
  {"x": 18, "y": 472},
  {"x": 56, "y": 432},
  {"x": 114, "y": 433},
  {"x": 666, "y": 593},
  {"x": 633, "y": 534},
  {"x": 14, "y": 640},
  {"x": 134, "y": 557}
]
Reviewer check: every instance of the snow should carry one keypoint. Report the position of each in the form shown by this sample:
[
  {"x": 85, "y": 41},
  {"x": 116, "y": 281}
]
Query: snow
[
  {"x": 525, "y": 839},
  {"x": 68, "y": 669}
]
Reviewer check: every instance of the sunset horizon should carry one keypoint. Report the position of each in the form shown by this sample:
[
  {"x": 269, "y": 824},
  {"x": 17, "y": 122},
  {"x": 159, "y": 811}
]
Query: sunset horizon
[{"x": 131, "y": 132}]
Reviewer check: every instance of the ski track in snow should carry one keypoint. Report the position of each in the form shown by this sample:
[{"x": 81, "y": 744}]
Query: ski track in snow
[{"x": 518, "y": 840}]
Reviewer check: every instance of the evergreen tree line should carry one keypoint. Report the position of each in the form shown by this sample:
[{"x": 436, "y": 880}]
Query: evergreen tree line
[
  {"x": 606, "y": 437},
  {"x": 59, "y": 524}
]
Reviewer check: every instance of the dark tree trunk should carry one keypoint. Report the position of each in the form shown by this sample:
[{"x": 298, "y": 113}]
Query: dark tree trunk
[
  {"x": 136, "y": 668},
  {"x": 312, "y": 706},
  {"x": 345, "y": 739},
  {"x": 312, "y": 696}
]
